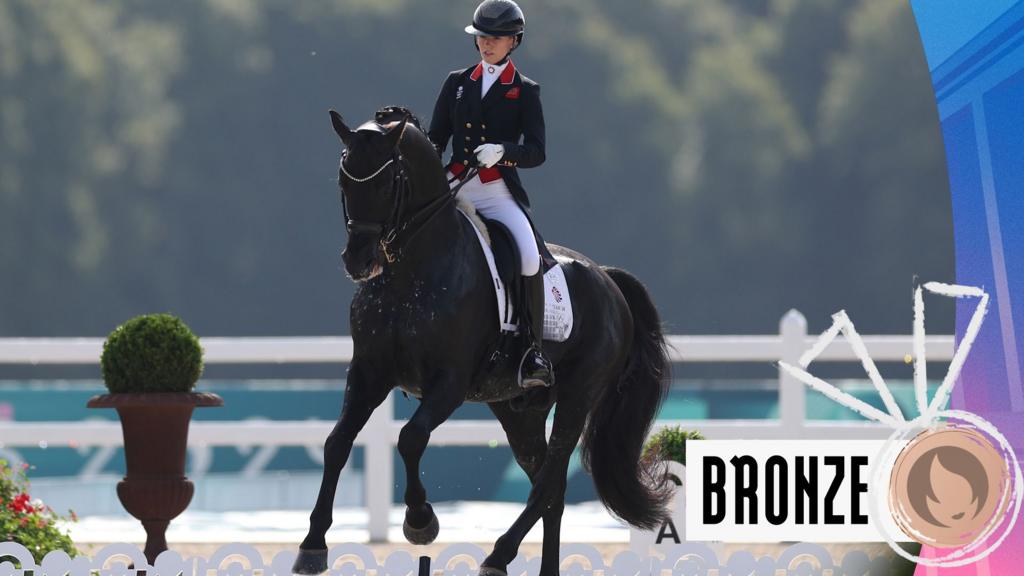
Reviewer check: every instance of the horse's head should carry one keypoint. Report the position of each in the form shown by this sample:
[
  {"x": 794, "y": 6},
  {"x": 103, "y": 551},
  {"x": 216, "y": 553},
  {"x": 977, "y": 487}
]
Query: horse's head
[
  {"x": 370, "y": 175},
  {"x": 384, "y": 162}
]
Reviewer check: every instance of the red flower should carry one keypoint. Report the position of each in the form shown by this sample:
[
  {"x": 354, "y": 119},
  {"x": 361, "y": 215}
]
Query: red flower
[{"x": 20, "y": 504}]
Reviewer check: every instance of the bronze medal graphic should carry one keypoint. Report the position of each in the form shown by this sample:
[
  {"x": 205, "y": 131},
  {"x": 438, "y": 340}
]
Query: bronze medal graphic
[{"x": 949, "y": 486}]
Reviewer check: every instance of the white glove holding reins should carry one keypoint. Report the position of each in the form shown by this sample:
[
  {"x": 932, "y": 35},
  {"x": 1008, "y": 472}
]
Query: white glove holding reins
[{"x": 487, "y": 155}]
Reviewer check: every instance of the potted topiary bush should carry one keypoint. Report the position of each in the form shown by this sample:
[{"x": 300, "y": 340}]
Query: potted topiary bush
[
  {"x": 150, "y": 365},
  {"x": 667, "y": 446}
]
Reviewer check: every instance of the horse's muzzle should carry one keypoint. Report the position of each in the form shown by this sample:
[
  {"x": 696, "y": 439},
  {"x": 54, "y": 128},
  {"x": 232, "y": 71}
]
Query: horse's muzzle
[{"x": 362, "y": 263}]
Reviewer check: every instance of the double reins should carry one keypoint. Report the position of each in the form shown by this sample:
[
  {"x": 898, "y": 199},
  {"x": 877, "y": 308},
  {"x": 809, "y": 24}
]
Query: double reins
[{"x": 392, "y": 231}]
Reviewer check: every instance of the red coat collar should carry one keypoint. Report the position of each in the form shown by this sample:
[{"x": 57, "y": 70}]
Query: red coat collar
[{"x": 507, "y": 75}]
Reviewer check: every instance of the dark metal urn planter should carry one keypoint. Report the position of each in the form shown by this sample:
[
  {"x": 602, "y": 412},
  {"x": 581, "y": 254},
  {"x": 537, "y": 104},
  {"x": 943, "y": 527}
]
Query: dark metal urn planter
[{"x": 155, "y": 426}]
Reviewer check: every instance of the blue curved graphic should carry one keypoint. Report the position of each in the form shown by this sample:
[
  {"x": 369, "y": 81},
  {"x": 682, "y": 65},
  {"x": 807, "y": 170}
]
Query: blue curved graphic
[{"x": 975, "y": 52}]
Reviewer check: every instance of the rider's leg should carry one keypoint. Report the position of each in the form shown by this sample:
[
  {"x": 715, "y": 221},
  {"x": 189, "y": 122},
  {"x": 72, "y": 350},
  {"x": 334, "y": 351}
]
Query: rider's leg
[
  {"x": 494, "y": 201},
  {"x": 534, "y": 369}
]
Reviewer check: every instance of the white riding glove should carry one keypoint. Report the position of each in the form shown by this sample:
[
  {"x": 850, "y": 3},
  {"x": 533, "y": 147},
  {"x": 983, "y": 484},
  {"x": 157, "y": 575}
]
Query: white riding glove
[{"x": 489, "y": 154}]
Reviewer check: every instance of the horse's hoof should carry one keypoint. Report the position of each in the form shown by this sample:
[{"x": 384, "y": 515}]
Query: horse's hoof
[
  {"x": 489, "y": 571},
  {"x": 310, "y": 562},
  {"x": 424, "y": 535}
]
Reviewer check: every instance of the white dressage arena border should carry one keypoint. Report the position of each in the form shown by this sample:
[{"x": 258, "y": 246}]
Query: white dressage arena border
[{"x": 455, "y": 560}]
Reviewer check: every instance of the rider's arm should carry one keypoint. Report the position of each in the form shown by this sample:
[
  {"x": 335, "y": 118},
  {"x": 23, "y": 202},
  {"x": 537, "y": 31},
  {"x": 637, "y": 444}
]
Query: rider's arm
[
  {"x": 441, "y": 122},
  {"x": 530, "y": 153}
]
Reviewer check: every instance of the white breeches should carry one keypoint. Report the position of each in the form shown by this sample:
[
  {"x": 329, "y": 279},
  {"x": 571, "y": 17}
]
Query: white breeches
[{"x": 493, "y": 200}]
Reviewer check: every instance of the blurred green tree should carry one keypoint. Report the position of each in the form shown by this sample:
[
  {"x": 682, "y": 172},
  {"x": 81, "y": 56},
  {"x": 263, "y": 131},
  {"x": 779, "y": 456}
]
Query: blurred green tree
[
  {"x": 85, "y": 121},
  {"x": 742, "y": 158}
]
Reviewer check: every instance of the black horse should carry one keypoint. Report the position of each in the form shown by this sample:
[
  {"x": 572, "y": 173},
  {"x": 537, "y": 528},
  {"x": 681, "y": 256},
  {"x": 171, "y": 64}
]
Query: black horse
[{"x": 423, "y": 319}]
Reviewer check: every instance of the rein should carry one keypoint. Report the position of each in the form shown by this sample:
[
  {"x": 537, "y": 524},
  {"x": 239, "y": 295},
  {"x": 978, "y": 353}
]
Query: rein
[{"x": 392, "y": 231}]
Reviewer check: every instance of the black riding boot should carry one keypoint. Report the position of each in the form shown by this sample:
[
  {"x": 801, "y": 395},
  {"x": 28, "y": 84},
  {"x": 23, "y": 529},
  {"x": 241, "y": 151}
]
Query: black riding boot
[{"x": 534, "y": 369}]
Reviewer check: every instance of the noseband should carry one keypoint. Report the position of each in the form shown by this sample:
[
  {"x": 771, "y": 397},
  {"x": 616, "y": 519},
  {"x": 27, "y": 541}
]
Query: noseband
[{"x": 395, "y": 227}]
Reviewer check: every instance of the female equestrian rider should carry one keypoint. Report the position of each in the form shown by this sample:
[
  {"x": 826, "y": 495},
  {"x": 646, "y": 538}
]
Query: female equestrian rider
[{"x": 485, "y": 110}]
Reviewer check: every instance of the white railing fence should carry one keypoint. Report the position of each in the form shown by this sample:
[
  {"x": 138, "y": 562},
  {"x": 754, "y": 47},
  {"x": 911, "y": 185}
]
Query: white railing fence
[{"x": 381, "y": 433}]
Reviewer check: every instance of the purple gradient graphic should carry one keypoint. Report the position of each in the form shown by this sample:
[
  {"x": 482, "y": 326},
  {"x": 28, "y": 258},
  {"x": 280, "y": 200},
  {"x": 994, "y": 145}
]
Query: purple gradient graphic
[{"x": 979, "y": 90}]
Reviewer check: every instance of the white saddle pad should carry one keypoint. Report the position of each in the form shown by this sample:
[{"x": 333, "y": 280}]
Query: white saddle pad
[{"x": 557, "y": 303}]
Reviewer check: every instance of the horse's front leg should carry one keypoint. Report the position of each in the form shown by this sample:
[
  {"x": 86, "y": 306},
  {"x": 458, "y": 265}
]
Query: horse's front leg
[
  {"x": 362, "y": 396},
  {"x": 440, "y": 399}
]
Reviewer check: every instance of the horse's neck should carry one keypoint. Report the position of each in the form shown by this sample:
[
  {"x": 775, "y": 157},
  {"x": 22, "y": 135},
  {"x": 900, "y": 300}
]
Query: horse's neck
[
  {"x": 434, "y": 247},
  {"x": 439, "y": 246}
]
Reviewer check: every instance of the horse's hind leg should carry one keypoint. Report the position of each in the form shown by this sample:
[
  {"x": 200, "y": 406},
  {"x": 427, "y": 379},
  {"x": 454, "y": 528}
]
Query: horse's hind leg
[
  {"x": 547, "y": 496},
  {"x": 526, "y": 437},
  {"x": 421, "y": 525},
  {"x": 362, "y": 397}
]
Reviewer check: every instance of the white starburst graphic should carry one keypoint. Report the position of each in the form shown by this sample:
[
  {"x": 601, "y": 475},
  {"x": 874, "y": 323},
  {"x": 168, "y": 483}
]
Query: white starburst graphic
[{"x": 930, "y": 414}]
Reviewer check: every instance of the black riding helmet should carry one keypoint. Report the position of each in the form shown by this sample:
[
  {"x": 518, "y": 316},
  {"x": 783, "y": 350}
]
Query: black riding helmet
[{"x": 498, "y": 18}]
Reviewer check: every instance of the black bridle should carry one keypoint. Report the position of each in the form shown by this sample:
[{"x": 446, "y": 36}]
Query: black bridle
[{"x": 393, "y": 230}]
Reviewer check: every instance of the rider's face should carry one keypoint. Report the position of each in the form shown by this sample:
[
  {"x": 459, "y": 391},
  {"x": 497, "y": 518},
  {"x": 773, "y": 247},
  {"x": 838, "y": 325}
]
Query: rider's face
[{"x": 494, "y": 48}]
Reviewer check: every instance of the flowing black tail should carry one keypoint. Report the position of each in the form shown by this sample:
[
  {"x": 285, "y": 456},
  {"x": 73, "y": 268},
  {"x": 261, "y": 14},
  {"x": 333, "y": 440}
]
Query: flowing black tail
[{"x": 622, "y": 416}]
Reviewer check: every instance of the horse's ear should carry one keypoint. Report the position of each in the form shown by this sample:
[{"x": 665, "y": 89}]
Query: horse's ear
[
  {"x": 394, "y": 135},
  {"x": 339, "y": 127}
]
